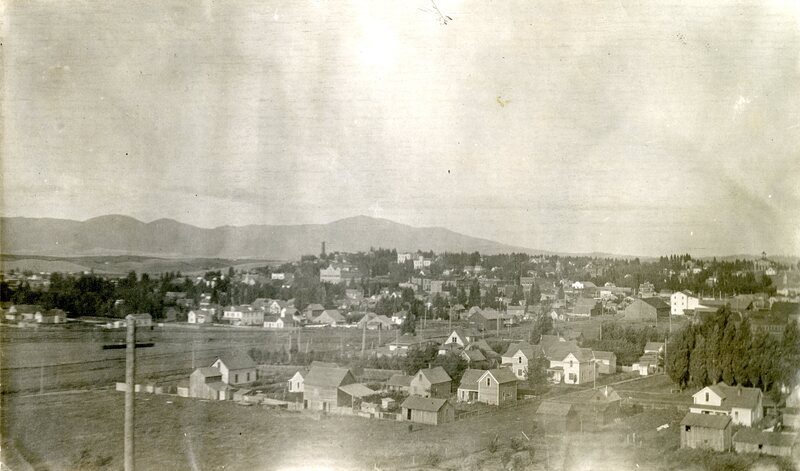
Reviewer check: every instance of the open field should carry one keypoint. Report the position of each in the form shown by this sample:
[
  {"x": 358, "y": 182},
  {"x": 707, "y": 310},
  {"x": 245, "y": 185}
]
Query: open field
[
  {"x": 84, "y": 431},
  {"x": 58, "y": 358}
]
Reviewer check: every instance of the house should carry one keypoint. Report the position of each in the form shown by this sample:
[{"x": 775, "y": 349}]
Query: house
[
  {"x": 472, "y": 356},
  {"x": 321, "y": 390},
  {"x": 602, "y": 407},
  {"x": 468, "y": 388},
  {"x": 586, "y": 307},
  {"x": 206, "y": 383},
  {"x": 313, "y": 310},
  {"x": 460, "y": 337},
  {"x": 518, "y": 356},
  {"x": 681, "y": 301},
  {"x": 431, "y": 382},
  {"x": 399, "y": 382},
  {"x": 606, "y": 362},
  {"x": 236, "y": 367},
  {"x": 330, "y": 317},
  {"x": 711, "y": 432},
  {"x": 297, "y": 383},
  {"x": 141, "y": 319},
  {"x": 556, "y": 417},
  {"x": 431, "y": 411},
  {"x": 485, "y": 319},
  {"x": 399, "y": 317},
  {"x": 330, "y": 274},
  {"x": 373, "y": 321},
  {"x": 402, "y": 344},
  {"x": 274, "y": 322},
  {"x": 243, "y": 315},
  {"x": 578, "y": 366},
  {"x": 403, "y": 257},
  {"x": 654, "y": 347},
  {"x": 646, "y": 310},
  {"x": 200, "y": 316},
  {"x": 749, "y": 440},
  {"x": 23, "y": 312},
  {"x": 52, "y": 316},
  {"x": 497, "y": 387},
  {"x": 743, "y": 405}
]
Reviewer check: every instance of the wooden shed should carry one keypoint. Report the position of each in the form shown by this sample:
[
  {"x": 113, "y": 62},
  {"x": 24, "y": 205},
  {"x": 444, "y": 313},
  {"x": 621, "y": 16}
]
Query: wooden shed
[
  {"x": 426, "y": 410},
  {"x": 750, "y": 440},
  {"x": 706, "y": 431},
  {"x": 557, "y": 417}
]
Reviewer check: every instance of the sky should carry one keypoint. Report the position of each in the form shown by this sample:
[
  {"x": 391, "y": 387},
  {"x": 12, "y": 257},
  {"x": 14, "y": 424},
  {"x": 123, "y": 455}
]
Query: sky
[{"x": 622, "y": 126}]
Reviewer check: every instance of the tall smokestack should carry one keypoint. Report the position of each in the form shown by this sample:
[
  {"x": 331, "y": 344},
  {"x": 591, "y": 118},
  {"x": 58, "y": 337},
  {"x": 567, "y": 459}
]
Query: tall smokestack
[{"x": 323, "y": 248}]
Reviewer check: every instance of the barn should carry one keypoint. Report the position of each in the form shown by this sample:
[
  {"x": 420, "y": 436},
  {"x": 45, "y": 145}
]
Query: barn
[
  {"x": 557, "y": 417},
  {"x": 750, "y": 440},
  {"x": 425, "y": 410},
  {"x": 707, "y": 431}
]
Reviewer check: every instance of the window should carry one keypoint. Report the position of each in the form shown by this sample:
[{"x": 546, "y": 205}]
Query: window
[
  {"x": 520, "y": 360},
  {"x": 235, "y": 378},
  {"x": 688, "y": 428},
  {"x": 248, "y": 377},
  {"x": 488, "y": 381},
  {"x": 454, "y": 339},
  {"x": 706, "y": 397}
]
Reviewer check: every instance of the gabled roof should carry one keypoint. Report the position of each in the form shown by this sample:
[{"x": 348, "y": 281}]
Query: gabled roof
[
  {"x": 737, "y": 396},
  {"x": 706, "y": 420},
  {"x": 427, "y": 404},
  {"x": 236, "y": 360},
  {"x": 435, "y": 375},
  {"x": 470, "y": 378},
  {"x": 357, "y": 390},
  {"x": 581, "y": 354},
  {"x": 327, "y": 377},
  {"x": 599, "y": 355},
  {"x": 208, "y": 371},
  {"x": 314, "y": 307},
  {"x": 657, "y": 303},
  {"x": 399, "y": 380},
  {"x": 654, "y": 346},
  {"x": 554, "y": 408},
  {"x": 605, "y": 395},
  {"x": 474, "y": 355},
  {"x": 501, "y": 375}
]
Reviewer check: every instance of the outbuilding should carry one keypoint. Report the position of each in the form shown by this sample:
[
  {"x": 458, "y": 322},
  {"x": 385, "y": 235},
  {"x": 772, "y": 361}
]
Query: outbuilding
[
  {"x": 427, "y": 410},
  {"x": 706, "y": 431}
]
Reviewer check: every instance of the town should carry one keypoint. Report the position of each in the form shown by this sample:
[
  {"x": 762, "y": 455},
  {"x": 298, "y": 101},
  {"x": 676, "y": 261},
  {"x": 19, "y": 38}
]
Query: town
[{"x": 528, "y": 355}]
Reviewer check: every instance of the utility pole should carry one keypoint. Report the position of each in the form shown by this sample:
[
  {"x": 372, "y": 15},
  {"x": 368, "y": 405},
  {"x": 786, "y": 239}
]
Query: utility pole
[
  {"x": 364, "y": 337},
  {"x": 130, "y": 371}
]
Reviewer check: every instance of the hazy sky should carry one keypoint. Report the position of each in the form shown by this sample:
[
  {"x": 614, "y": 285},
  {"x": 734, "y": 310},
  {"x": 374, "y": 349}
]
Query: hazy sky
[{"x": 618, "y": 126}]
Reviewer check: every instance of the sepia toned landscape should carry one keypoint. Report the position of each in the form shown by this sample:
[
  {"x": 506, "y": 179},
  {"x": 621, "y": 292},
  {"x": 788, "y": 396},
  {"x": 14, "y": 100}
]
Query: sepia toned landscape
[{"x": 430, "y": 235}]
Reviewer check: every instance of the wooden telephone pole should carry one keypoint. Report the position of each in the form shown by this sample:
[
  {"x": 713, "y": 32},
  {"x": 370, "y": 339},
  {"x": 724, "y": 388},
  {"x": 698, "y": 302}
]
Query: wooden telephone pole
[{"x": 130, "y": 372}]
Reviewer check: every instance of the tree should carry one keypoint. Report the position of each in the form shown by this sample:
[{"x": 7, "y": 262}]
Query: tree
[
  {"x": 680, "y": 348},
  {"x": 713, "y": 368},
  {"x": 698, "y": 371},
  {"x": 727, "y": 348},
  {"x": 741, "y": 353}
]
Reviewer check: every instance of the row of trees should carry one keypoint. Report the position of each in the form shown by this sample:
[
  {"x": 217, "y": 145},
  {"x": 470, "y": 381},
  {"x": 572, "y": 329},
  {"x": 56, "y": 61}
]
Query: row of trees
[
  {"x": 724, "y": 348},
  {"x": 627, "y": 342}
]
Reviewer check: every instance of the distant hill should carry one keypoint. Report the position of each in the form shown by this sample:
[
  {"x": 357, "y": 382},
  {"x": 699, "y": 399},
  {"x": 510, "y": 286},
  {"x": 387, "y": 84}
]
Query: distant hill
[{"x": 123, "y": 235}]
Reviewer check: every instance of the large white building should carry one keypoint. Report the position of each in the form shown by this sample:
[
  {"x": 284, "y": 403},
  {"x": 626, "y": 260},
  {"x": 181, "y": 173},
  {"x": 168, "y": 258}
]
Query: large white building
[{"x": 681, "y": 301}]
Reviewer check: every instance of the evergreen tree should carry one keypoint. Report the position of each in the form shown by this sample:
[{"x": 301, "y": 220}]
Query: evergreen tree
[
  {"x": 758, "y": 347},
  {"x": 713, "y": 368},
  {"x": 680, "y": 348},
  {"x": 698, "y": 370},
  {"x": 790, "y": 354},
  {"x": 727, "y": 348},
  {"x": 741, "y": 353}
]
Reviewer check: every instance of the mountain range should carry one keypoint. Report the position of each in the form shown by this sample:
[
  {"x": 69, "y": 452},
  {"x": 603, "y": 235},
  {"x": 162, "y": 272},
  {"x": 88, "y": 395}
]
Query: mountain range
[{"x": 124, "y": 235}]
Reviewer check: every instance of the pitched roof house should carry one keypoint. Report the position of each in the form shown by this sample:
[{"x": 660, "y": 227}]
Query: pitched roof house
[
  {"x": 431, "y": 382},
  {"x": 236, "y": 368},
  {"x": 646, "y": 310},
  {"x": 330, "y": 317},
  {"x": 743, "y": 405},
  {"x": 322, "y": 388},
  {"x": 468, "y": 388},
  {"x": 497, "y": 386},
  {"x": 554, "y": 416}
]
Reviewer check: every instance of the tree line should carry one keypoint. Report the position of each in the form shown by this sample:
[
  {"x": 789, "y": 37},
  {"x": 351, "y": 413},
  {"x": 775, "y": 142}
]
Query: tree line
[{"x": 724, "y": 348}]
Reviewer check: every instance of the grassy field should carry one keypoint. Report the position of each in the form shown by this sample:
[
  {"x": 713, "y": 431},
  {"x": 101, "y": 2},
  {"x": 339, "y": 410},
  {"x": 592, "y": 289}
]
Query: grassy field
[{"x": 84, "y": 431}]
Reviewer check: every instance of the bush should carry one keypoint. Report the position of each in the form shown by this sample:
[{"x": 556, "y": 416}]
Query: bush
[
  {"x": 517, "y": 444},
  {"x": 432, "y": 459}
]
